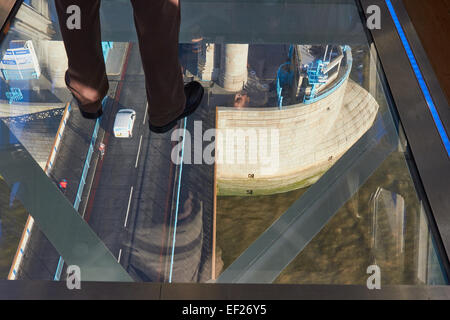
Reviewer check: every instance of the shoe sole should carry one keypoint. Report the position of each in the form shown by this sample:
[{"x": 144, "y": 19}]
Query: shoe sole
[{"x": 89, "y": 115}]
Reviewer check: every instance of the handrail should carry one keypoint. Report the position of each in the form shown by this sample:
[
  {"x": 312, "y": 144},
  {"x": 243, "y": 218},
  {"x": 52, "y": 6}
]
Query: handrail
[{"x": 337, "y": 85}]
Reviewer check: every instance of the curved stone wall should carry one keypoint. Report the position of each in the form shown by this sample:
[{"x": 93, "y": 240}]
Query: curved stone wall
[{"x": 310, "y": 139}]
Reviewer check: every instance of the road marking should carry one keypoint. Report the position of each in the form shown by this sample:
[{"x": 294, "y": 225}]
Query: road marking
[
  {"x": 145, "y": 114},
  {"x": 128, "y": 209},
  {"x": 178, "y": 202},
  {"x": 139, "y": 151},
  {"x": 120, "y": 255}
]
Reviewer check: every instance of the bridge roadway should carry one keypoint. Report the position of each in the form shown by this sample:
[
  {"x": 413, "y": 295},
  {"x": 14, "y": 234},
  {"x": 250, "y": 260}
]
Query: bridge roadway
[
  {"x": 134, "y": 195},
  {"x": 131, "y": 196}
]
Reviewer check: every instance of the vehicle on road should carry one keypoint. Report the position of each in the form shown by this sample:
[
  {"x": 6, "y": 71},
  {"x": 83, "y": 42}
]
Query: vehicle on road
[
  {"x": 123, "y": 125},
  {"x": 101, "y": 149},
  {"x": 62, "y": 185}
]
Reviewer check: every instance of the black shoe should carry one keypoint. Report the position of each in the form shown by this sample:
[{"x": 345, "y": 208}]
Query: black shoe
[
  {"x": 89, "y": 115},
  {"x": 194, "y": 94}
]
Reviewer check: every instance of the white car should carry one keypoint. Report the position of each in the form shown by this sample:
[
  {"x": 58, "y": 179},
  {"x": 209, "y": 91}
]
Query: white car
[{"x": 123, "y": 125}]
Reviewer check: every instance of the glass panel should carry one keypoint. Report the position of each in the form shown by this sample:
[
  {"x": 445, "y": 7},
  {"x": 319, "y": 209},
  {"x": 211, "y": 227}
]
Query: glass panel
[
  {"x": 12, "y": 219},
  {"x": 35, "y": 114},
  {"x": 304, "y": 179},
  {"x": 383, "y": 224}
]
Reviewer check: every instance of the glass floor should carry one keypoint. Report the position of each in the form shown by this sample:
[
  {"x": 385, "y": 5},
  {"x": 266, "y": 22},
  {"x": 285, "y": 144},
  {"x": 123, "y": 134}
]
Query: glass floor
[{"x": 294, "y": 169}]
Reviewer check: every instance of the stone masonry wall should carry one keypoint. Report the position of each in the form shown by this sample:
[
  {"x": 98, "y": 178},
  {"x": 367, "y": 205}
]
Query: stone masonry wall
[{"x": 311, "y": 138}]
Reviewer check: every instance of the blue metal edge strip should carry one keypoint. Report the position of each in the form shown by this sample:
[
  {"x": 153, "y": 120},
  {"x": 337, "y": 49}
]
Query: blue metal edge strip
[{"x": 419, "y": 77}]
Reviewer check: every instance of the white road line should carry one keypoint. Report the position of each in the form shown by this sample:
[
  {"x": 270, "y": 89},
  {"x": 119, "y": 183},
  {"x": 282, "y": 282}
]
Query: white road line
[
  {"x": 128, "y": 209},
  {"x": 139, "y": 151},
  {"x": 120, "y": 255},
  {"x": 145, "y": 114}
]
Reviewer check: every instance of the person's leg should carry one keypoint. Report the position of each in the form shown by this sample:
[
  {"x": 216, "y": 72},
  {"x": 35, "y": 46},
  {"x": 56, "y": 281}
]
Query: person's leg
[
  {"x": 86, "y": 76},
  {"x": 158, "y": 25}
]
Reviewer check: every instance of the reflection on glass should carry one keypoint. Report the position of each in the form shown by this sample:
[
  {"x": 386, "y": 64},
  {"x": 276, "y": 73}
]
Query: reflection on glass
[
  {"x": 383, "y": 224},
  {"x": 290, "y": 107}
]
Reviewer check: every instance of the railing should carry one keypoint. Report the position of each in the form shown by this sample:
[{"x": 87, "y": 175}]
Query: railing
[
  {"x": 329, "y": 91},
  {"x": 283, "y": 77}
]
